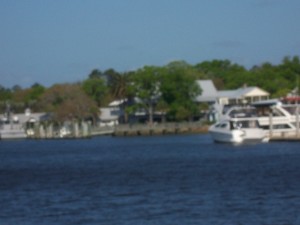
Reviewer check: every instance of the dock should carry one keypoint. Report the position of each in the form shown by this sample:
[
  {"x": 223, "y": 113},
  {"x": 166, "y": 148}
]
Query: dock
[
  {"x": 293, "y": 135},
  {"x": 159, "y": 129},
  {"x": 288, "y": 139},
  {"x": 285, "y": 136},
  {"x": 98, "y": 131},
  {"x": 85, "y": 130}
]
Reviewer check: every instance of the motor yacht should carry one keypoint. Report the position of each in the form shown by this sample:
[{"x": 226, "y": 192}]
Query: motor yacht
[
  {"x": 275, "y": 118},
  {"x": 237, "y": 131}
]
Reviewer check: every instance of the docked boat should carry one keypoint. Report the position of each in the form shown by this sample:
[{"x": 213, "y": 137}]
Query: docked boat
[
  {"x": 12, "y": 132},
  {"x": 274, "y": 117},
  {"x": 237, "y": 131},
  {"x": 10, "y": 126}
]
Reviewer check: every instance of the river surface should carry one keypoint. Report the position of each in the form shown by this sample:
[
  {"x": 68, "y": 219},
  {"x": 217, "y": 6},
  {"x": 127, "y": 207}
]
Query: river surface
[{"x": 184, "y": 179}]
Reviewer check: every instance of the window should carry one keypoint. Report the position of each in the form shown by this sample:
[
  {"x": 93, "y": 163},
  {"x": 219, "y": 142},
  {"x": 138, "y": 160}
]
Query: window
[
  {"x": 223, "y": 125},
  {"x": 281, "y": 126}
]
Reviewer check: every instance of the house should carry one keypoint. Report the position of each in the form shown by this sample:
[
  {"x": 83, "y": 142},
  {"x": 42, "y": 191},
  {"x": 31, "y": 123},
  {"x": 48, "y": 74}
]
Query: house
[
  {"x": 109, "y": 116},
  {"x": 114, "y": 114},
  {"x": 22, "y": 118},
  {"x": 210, "y": 95},
  {"x": 18, "y": 125},
  {"x": 218, "y": 99},
  {"x": 243, "y": 95}
]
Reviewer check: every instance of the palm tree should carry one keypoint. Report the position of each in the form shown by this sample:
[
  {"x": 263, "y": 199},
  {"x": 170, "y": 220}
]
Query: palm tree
[{"x": 119, "y": 85}]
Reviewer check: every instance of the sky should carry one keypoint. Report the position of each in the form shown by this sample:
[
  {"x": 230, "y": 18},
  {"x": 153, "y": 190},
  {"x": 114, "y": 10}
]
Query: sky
[{"x": 60, "y": 41}]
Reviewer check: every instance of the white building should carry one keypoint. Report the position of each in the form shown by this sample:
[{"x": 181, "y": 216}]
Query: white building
[
  {"x": 243, "y": 95},
  {"x": 217, "y": 100}
]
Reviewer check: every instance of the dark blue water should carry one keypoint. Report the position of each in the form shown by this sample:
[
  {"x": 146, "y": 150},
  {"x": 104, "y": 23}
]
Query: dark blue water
[{"x": 148, "y": 180}]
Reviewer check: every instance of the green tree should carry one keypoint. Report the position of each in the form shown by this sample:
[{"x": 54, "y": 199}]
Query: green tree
[
  {"x": 178, "y": 90},
  {"x": 271, "y": 78},
  {"x": 146, "y": 86},
  {"x": 224, "y": 73},
  {"x": 119, "y": 85},
  {"x": 36, "y": 91},
  {"x": 96, "y": 89},
  {"x": 110, "y": 75},
  {"x": 95, "y": 74},
  {"x": 5, "y": 96},
  {"x": 121, "y": 89},
  {"x": 23, "y": 98}
]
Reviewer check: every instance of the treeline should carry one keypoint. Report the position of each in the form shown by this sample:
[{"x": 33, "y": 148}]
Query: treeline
[{"x": 170, "y": 89}]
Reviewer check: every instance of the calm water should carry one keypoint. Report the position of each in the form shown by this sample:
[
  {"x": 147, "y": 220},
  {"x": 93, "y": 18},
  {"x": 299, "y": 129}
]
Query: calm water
[{"x": 148, "y": 180}]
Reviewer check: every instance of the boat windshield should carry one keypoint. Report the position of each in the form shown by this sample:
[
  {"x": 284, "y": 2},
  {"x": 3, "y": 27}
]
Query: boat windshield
[{"x": 243, "y": 124}]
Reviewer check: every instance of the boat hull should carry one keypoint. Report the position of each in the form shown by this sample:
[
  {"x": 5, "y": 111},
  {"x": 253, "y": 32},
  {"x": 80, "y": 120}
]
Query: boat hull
[
  {"x": 227, "y": 137},
  {"x": 238, "y": 131}
]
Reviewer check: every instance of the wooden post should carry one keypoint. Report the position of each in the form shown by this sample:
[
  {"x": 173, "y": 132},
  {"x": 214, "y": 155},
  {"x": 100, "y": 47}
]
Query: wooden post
[
  {"x": 271, "y": 124},
  {"x": 49, "y": 131},
  {"x": 42, "y": 133},
  {"x": 76, "y": 129}
]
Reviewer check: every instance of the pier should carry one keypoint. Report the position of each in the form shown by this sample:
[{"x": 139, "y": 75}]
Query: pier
[
  {"x": 85, "y": 130},
  {"x": 292, "y": 135},
  {"x": 159, "y": 129},
  {"x": 285, "y": 136},
  {"x": 55, "y": 131},
  {"x": 289, "y": 139}
]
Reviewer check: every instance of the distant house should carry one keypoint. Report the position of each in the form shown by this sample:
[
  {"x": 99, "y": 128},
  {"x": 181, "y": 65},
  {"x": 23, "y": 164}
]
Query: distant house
[
  {"x": 22, "y": 118},
  {"x": 243, "y": 95},
  {"x": 217, "y": 100},
  {"x": 110, "y": 115},
  {"x": 113, "y": 114}
]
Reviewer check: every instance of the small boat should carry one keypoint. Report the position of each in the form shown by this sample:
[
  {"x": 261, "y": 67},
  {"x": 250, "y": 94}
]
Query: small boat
[
  {"x": 10, "y": 126},
  {"x": 238, "y": 130},
  {"x": 9, "y": 132}
]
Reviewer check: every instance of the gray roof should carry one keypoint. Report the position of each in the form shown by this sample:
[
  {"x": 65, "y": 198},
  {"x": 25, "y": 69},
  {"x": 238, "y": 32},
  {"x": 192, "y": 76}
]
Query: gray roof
[
  {"x": 228, "y": 94},
  {"x": 238, "y": 93},
  {"x": 209, "y": 92},
  {"x": 24, "y": 118}
]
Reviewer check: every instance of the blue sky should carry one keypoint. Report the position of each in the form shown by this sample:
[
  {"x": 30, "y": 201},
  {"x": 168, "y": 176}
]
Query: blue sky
[{"x": 57, "y": 41}]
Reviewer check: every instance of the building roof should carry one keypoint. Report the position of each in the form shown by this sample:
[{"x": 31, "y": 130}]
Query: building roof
[
  {"x": 242, "y": 93},
  {"x": 117, "y": 103},
  {"x": 252, "y": 92},
  {"x": 209, "y": 92},
  {"x": 24, "y": 118}
]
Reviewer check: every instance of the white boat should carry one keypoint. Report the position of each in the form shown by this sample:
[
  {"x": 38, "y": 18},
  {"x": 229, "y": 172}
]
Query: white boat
[
  {"x": 237, "y": 131},
  {"x": 10, "y": 126},
  {"x": 8, "y": 131},
  {"x": 274, "y": 117}
]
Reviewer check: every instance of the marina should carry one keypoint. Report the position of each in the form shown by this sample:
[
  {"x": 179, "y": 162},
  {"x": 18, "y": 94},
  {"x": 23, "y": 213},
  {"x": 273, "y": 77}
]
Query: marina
[
  {"x": 266, "y": 120},
  {"x": 84, "y": 130},
  {"x": 149, "y": 112}
]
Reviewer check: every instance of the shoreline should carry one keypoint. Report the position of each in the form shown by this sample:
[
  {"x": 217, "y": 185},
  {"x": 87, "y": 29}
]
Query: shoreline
[{"x": 159, "y": 129}]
